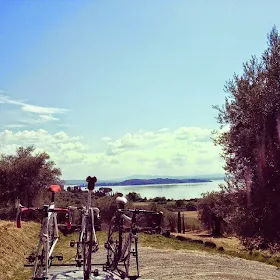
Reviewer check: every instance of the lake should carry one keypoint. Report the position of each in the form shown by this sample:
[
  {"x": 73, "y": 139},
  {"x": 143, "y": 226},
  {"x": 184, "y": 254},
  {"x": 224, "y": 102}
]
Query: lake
[{"x": 171, "y": 191}]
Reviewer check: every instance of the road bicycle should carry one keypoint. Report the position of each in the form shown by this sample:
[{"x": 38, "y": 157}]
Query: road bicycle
[
  {"x": 42, "y": 259},
  {"x": 87, "y": 243},
  {"x": 122, "y": 242}
]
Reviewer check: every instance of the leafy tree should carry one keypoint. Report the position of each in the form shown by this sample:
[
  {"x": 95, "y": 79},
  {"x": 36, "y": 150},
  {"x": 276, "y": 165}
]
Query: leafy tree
[
  {"x": 160, "y": 199},
  {"x": 251, "y": 146},
  {"x": 133, "y": 196},
  {"x": 25, "y": 174},
  {"x": 214, "y": 210}
]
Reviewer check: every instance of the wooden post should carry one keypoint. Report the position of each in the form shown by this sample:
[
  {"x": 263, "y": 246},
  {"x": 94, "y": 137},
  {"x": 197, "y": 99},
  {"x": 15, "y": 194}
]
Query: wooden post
[
  {"x": 183, "y": 222},
  {"x": 179, "y": 222}
]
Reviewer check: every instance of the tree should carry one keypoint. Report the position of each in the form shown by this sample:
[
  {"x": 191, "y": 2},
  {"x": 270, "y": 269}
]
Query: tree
[
  {"x": 133, "y": 196},
  {"x": 25, "y": 174},
  {"x": 179, "y": 203},
  {"x": 214, "y": 210},
  {"x": 251, "y": 146}
]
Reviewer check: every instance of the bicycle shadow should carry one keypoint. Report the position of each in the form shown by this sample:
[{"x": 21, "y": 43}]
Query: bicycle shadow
[{"x": 74, "y": 274}]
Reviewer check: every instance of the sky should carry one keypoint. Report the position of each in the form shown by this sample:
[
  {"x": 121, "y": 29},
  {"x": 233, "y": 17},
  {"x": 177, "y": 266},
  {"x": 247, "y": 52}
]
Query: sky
[{"x": 116, "y": 88}]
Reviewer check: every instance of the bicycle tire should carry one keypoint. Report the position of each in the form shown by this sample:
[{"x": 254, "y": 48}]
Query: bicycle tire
[
  {"x": 114, "y": 242},
  {"x": 40, "y": 265},
  {"x": 87, "y": 245}
]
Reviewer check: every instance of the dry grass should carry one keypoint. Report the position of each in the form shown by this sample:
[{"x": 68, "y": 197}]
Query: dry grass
[
  {"x": 16, "y": 244},
  {"x": 140, "y": 204},
  {"x": 190, "y": 214},
  {"x": 229, "y": 243}
]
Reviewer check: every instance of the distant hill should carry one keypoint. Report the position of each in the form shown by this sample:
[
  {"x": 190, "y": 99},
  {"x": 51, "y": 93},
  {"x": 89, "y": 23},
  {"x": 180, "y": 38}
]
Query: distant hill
[
  {"x": 153, "y": 181},
  {"x": 202, "y": 178},
  {"x": 141, "y": 182}
]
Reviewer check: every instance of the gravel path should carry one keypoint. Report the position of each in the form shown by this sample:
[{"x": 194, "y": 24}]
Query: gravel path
[
  {"x": 171, "y": 264},
  {"x": 160, "y": 264}
]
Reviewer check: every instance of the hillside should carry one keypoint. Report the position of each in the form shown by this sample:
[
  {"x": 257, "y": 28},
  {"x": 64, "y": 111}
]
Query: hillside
[{"x": 153, "y": 181}]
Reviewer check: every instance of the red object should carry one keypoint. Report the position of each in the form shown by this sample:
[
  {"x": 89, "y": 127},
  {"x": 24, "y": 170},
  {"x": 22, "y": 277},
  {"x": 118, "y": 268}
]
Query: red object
[{"x": 55, "y": 188}]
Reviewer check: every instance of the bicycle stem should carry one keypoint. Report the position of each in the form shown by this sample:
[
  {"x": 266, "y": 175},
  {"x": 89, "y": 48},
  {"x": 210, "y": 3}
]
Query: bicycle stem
[{"x": 89, "y": 199}]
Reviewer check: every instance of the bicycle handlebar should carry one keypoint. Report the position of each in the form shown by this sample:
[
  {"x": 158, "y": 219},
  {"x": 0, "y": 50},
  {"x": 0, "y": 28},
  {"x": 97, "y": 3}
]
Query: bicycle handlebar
[
  {"x": 140, "y": 211},
  {"x": 23, "y": 209}
]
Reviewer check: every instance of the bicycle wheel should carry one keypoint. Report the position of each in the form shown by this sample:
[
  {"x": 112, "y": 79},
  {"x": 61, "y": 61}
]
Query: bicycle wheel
[
  {"x": 41, "y": 262},
  {"x": 114, "y": 243},
  {"x": 88, "y": 244}
]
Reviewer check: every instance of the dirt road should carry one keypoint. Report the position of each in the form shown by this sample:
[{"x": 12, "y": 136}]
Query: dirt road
[{"x": 189, "y": 265}]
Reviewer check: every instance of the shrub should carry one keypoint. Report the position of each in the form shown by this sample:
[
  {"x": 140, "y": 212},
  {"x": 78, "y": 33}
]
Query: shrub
[
  {"x": 133, "y": 196},
  {"x": 191, "y": 206},
  {"x": 179, "y": 203}
]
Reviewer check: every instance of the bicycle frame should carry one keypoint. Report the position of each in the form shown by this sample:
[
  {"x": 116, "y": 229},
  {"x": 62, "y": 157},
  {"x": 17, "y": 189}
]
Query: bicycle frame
[
  {"x": 47, "y": 223},
  {"x": 48, "y": 237},
  {"x": 86, "y": 212}
]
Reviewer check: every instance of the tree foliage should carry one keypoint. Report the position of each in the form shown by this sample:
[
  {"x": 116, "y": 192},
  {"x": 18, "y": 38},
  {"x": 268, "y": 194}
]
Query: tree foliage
[
  {"x": 214, "y": 211},
  {"x": 24, "y": 175},
  {"x": 133, "y": 196},
  {"x": 251, "y": 146}
]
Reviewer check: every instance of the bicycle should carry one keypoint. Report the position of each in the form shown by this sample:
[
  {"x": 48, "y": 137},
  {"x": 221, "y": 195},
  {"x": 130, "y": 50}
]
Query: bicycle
[
  {"x": 122, "y": 243},
  {"x": 48, "y": 236},
  {"x": 87, "y": 243}
]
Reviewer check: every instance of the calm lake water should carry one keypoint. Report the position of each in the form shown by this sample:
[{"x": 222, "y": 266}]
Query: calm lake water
[{"x": 171, "y": 191}]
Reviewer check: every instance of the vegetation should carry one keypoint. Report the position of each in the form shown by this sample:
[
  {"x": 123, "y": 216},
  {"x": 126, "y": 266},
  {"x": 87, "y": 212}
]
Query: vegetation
[
  {"x": 133, "y": 196},
  {"x": 213, "y": 212},
  {"x": 25, "y": 175},
  {"x": 251, "y": 149}
]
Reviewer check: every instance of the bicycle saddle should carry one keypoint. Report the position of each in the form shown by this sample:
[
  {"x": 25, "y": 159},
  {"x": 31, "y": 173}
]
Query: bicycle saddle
[
  {"x": 54, "y": 188},
  {"x": 91, "y": 182}
]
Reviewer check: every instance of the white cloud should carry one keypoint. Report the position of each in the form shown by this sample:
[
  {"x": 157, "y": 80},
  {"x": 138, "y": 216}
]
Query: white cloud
[
  {"x": 48, "y": 118},
  {"x": 31, "y": 108},
  {"x": 183, "y": 151},
  {"x": 32, "y": 114}
]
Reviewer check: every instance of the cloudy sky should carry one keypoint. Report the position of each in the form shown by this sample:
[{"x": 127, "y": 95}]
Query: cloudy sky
[{"x": 115, "y": 88}]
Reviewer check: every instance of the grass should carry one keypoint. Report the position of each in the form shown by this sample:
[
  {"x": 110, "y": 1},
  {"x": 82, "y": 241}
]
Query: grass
[
  {"x": 15, "y": 246},
  {"x": 191, "y": 221}
]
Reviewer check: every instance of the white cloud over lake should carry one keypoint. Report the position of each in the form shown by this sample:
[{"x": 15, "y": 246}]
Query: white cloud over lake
[{"x": 182, "y": 151}]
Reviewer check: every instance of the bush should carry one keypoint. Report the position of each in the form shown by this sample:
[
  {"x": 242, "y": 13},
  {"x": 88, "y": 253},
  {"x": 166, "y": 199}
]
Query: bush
[
  {"x": 213, "y": 210},
  {"x": 179, "y": 203},
  {"x": 191, "y": 206},
  {"x": 160, "y": 199},
  {"x": 133, "y": 196}
]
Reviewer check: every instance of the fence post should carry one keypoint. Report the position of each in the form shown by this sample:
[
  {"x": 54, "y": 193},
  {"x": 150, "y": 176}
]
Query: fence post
[
  {"x": 179, "y": 222},
  {"x": 183, "y": 223}
]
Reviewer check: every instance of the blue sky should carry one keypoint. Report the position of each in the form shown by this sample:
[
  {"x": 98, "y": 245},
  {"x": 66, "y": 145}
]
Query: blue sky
[{"x": 116, "y": 88}]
